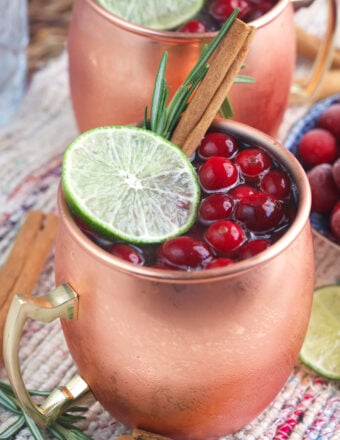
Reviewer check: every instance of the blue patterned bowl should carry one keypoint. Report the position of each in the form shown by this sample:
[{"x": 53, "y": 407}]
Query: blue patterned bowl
[{"x": 319, "y": 222}]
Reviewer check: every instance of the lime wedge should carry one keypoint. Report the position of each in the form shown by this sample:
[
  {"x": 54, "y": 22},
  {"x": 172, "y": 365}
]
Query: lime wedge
[
  {"x": 131, "y": 184},
  {"x": 321, "y": 348},
  {"x": 155, "y": 14}
]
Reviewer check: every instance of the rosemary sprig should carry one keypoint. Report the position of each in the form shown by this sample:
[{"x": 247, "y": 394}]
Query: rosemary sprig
[
  {"x": 62, "y": 429},
  {"x": 163, "y": 117}
]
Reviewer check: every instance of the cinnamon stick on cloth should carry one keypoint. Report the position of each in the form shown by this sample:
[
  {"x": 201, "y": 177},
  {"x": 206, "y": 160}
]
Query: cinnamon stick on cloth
[
  {"x": 139, "y": 434},
  {"x": 22, "y": 269},
  {"x": 224, "y": 64}
]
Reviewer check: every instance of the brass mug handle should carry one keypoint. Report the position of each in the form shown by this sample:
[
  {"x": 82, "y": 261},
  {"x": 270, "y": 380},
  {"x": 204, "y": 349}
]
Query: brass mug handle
[
  {"x": 62, "y": 302},
  {"x": 303, "y": 92}
]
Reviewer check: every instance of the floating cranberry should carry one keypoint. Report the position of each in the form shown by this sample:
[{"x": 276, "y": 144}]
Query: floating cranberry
[
  {"x": 330, "y": 120},
  {"x": 225, "y": 236},
  {"x": 185, "y": 253},
  {"x": 217, "y": 144},
  {"x": 220, "y": 10},
  {"x": 276, "y": 183},
  {"x": 317, "y": 146},
  {"x": 252, "y": 248},
  {"x": 336, "y": 172},
  {"x": 193, "y": 27},
  {"x": 127, "y": 252},
  {"x": 253, "y": 162},
  {"x": 335, "y": 221},
  {"x": 215, "y": 207},
  {"x": 258, "y": 9},
  {"x": 242, "y": 191},
  {"x": 219, "y": 262},
  {"x": 217, "y": 173},
  {"x": 260, "y": 213},
  {"x": 324, "y": 190}
]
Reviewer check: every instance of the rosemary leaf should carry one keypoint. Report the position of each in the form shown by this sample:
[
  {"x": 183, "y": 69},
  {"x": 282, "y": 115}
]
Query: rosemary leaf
[
  {"x": 244, "y": 79},
  {"x": 13, "y": 429},
  {"x": 158, "y": 93},
  {"x": 53, "y": 430},
  {"x": 32, "y": 426},
  {"x": 70, "y": 434},
  {"x": 8, "y": 402},
  {"x": 226, "y": 110}
]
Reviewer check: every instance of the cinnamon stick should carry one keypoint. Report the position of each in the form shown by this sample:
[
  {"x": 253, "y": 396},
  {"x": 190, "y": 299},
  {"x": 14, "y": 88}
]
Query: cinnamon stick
[
  {"x": 23, "y": 266},
  {"x": 140, "y": 434},
  {"x": 308, "y": 46},
  {"x": 225, "y": 64}
]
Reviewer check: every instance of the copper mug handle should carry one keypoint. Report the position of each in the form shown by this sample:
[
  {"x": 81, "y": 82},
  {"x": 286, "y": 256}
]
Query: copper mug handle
[
  {"x": 303, "y": 92},
  {"x": 62, "y": 302}
]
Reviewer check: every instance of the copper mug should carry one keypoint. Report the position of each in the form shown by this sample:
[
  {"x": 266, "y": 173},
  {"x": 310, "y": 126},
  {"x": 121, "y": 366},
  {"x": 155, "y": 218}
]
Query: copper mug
[
  {"x": 191, "y": 355},
  {"x": 112, "y": 65}
]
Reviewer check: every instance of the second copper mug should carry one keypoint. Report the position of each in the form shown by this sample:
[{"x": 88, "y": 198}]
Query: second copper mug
[
  {"x": 112, "y": 65},
  {"x": 191, "y": 355}
]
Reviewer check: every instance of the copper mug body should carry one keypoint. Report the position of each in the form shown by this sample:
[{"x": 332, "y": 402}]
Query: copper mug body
[
  {"x": 192, "y": 355},
  {"x": 112, "y": 66}
]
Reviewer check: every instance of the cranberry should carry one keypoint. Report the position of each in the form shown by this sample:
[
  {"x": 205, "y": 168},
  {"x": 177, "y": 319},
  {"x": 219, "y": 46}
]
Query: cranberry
[
  {"x": 330, "y": 120},
  {"x": 242, "y": 191},
  {"x": 193, "y": 27},
  {"x": 127, "y": 252},
  {"x": 217, "y": 173},
  {"x": 336, "y": 172},
  {"x": 215, "y": 207},
  {"x": 260, "y": 213},
  {"x": 225, "y": 236},
  {"x": 185, "y": 253},
  {"x": 258, "y": 9},
  {"x": 252, "y": 248},
  {"x": 217, "y": 144},
  {"x": 276, "y": 183},
  {"x": 317, "y": 146},
  {"x": 324, "y": 190},
  {"x": 220, "y": 10},
  {"x": 219, "y": 262},
  {"x": 335, "y": 221},
  {"x": 253, "y": 162}
]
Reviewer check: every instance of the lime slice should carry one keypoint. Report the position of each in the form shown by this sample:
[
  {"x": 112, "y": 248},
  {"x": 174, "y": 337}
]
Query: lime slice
[
  {"x": 155, "y": 14},
  {"x": 129, "y": 183},
  {"x": 321, "y": 348}
]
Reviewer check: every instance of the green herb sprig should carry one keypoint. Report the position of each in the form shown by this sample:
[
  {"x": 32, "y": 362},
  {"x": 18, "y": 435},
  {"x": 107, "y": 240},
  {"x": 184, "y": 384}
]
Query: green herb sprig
[
  {"x": 164, "y": 118},
  {"x": 62, "y": 429}
]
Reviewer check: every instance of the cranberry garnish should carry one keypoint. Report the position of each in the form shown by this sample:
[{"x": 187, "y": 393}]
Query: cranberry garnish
[
  {"x": 317, "y": 146},
  {"x": 336, "y": 172},
  {"x": 335, "y": 221},
  {"x": 219, "y": 262},
  {"x": 193, "y": 27},
  {"x": 260, "y": 213},
  {"x": 258, "y": 9},
  {"x": 330, "y": 120},
  {"x": 217, "y": 144},
  {"x": 225, "y": 236},
  {"x": 215, "y": 207},
  {"x": 217, "y": 173},
  {"x": 127, "y": 252},
  {"x": 220, "y": 10},
  {"x": 185, "y": 253},
  {"x": 325, "y": 193},
  {"x": 252, "y": 248},
  {"x": 276, "y": 183},
  {"x": 242, "y": 191},
  {"x": 253, "y": 162}
]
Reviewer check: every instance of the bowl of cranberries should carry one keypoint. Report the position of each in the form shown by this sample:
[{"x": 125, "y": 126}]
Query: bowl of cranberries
[{"x": 315, "y": 141}]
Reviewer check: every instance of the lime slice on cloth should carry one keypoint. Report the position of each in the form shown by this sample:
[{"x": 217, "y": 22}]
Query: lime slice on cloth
[
  {"x": 155, "y": 14},
  {"x": 321, "y": 348},
  {"x": 131, "y": 184}
]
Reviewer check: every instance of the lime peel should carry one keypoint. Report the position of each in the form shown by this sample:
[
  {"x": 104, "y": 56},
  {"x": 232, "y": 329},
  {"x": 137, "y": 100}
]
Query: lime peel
[{"x": 128, "y": 183}]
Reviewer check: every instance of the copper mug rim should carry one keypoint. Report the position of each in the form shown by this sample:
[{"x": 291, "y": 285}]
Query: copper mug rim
[
  {"x": 178, "y": 37},
  {"x": 299, "y": 222}
]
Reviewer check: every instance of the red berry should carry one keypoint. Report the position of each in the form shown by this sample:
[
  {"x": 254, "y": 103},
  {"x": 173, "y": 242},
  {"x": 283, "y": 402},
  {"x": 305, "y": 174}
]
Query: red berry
[
  {"x": 215, "y": 207},
  {"x": 127, "y": 252},
  {"x": 252, "y": 248},
  {"x": 220, "y": 10},
  {"x": 324, "y": 190},
  {"x": 225, "y": 236},
  {"x": 260, "y": 213},
  {"x": 258, "y": 9},
  {"x": 217, "y": 173},
  {"x": 336, "y": 172},
  {"x": 253, "y": 162},
  {"x": 335, "y": 221},
  {"x": 330, "y": 120},
  {"x": 185, "y": 253},
  {"x": 217, "y": 144},
  {"x": 317, "y": 146},
  {"x": 219, "y": 262},
  {"x": 193, "y": 27},
  {"x": 242, "y": 191},
  {"x": 276, "y": 183}
]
